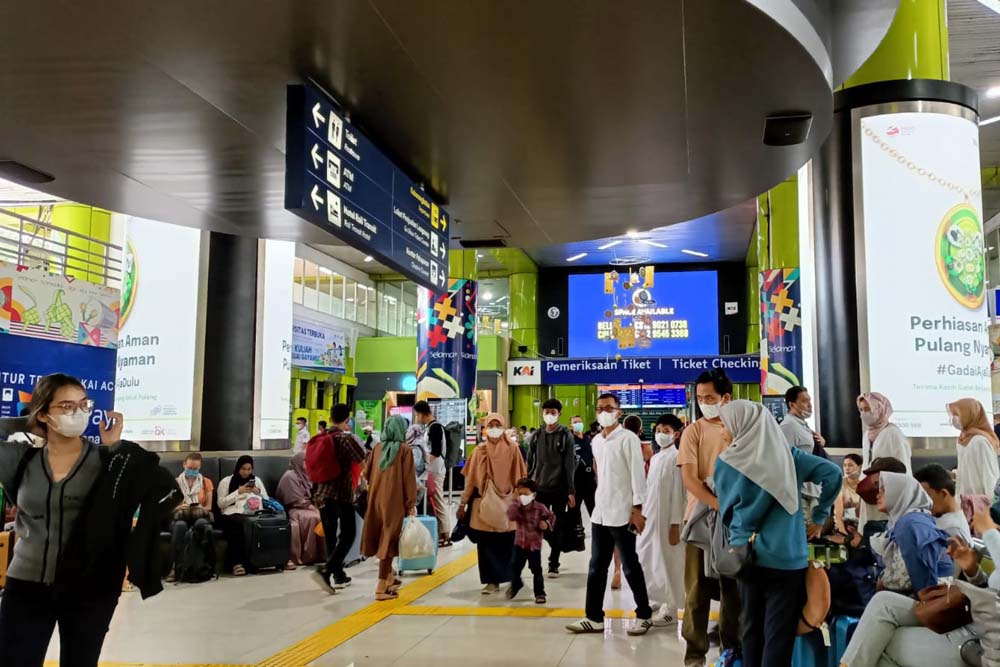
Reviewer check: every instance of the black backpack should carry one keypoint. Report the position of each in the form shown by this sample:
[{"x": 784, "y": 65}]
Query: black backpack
[
  {"x": 454, "y": 440},
  {"x": 196, "y": 555},
  {"x": 852, "y": 583}
]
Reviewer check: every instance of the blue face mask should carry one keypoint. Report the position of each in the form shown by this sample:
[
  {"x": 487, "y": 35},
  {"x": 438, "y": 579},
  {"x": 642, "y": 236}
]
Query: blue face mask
[{"x": 189, "y": 472}]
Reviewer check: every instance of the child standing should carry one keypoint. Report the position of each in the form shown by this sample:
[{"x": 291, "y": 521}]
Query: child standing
[{"x": 532, "y": 519}]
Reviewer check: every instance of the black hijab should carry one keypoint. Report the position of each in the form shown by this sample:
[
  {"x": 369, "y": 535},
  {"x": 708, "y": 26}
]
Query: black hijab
[{"x": 236, "y": 481}]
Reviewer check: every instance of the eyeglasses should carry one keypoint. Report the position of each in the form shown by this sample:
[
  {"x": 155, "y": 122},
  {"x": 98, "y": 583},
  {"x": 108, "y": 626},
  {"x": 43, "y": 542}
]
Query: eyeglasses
[
  {"x": 85, "y": 406},
  {"x": 607, "y": 409}
]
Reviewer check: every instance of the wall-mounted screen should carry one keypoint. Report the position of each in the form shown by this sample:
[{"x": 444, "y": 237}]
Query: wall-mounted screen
[
  {"x": 641, "y": 312},
  {"x": 647, "y": 396}
]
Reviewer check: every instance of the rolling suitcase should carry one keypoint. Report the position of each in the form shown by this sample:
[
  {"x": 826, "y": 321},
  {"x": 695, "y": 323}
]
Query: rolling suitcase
[
  {"x": 428, "y": 563},
  {"x": 268, "y": 541}
]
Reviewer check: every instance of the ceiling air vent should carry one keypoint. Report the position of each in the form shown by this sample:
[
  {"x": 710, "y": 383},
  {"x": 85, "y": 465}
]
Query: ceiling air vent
[{"x": 483, "y": 243}]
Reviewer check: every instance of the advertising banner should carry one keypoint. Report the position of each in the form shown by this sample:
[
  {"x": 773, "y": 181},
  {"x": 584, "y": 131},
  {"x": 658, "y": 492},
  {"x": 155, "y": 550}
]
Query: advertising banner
[
  {"x": 275, "y": 324},
  {"x": 781, "y": 331},
  {"x": 924, "y": 321},
  {"x": 447, "y": 342},
  {"x": 24, "y": 360},
  {"x": 156, "y": 348},
  {"x": 39, "y": 304},
  {"x": 317, "y": 345}
]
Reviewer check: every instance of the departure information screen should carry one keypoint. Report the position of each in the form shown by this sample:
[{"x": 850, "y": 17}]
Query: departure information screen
[{"x": 633, "y": 396}]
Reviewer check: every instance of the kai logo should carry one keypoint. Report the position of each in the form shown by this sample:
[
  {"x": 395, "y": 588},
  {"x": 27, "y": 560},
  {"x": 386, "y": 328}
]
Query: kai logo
[
  {"x": 524, "y": 371},
  {"x": 959, "y": 256}
]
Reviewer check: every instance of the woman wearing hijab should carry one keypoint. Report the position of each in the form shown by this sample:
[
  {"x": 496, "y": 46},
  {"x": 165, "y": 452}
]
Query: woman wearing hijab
[
  {"x": 497, "y": 460},
  {"x": 392, "y": 494},
  {"x": 978, "y": 445},
  {"x": 240, "y": 494},
  {"x": 915, "y": 557},
  {"x": 295, "y": 493},
  {"x": 758, "y": 478},
  {"x": 881, "y": 437}
]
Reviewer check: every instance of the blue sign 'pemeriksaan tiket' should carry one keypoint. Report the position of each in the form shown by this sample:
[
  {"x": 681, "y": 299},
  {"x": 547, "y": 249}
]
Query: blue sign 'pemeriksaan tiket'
[{"x": 337, "y": 179}]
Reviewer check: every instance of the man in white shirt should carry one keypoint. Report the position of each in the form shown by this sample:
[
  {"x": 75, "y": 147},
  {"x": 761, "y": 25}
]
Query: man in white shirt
[
  {"x": 617, "y": 518},
  {"x": 301, "y": 435}
]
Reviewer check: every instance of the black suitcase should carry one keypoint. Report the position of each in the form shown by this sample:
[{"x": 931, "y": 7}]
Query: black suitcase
[{"x": 268, "y": 541}]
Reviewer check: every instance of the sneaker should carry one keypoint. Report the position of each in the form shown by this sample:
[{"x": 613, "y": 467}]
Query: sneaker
[
  {"x": 585, "y": 626},
  {"x": 341, "y": 581},
  {"x": 640, "y": 627},
  {"x": 490, "y": 589},
  {"x": 324, "y": 580},
  {"x": 553, "y": 572},
  {"x": 512, "y": 591},
  {"x": 540, "y": 599},
  {"x": 663, "y": 617}
]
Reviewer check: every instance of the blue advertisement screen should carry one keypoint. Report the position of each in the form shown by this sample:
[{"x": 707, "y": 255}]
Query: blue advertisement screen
[{"x": 672, "y": 314}]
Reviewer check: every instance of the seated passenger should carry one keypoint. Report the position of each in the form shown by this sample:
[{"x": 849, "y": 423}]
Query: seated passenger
[
  {"x": 913, "y": 549},
  {"x": 295, "y": 493},
  {"x": 847, "y": 509},
  {"x": 939, "y": 485},
  {"x": 889, "y": 632},
  {"x": 873, "y": 520},
  {"x": 240, "y": 494},
  {"x": 195, "y": 510}
]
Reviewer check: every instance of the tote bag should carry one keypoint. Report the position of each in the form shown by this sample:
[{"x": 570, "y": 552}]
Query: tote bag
[{"x": 493, "y": 505}]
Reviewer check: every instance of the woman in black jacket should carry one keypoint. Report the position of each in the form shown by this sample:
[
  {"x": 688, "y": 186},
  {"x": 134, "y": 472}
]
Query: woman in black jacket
[{"x": 76, "y": 505}]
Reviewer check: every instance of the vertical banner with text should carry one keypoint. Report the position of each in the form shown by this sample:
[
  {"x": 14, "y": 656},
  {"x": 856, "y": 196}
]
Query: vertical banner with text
[
  {"x": 447, "y": 341},
  {"x": 781, "y": 331}
]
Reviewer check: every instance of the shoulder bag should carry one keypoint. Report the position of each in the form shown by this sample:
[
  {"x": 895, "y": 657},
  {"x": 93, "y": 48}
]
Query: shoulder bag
[
  {"x": 493, "y": 505},
  {"x": 943, "y": 608}
]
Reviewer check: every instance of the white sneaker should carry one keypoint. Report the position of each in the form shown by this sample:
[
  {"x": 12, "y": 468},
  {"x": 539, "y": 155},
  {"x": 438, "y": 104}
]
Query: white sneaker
[
  {"x": 584, "y": 626},
  {"x": 663, "y": 617},
  {"x": 490, "y": 589},
  {"x": 640, "y": 627}
]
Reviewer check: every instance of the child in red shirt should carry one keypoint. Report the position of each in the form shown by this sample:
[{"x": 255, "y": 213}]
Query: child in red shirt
[{"x": 532, "y": 519}]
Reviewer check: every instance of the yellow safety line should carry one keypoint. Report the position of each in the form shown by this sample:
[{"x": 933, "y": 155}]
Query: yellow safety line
[
  {"x": 327, "y": 639},
  {"x": 521, "y": 612},
  {"x": 55, "y": 663}
]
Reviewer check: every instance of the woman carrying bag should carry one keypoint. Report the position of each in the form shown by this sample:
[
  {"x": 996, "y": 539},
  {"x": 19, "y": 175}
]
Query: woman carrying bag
[{"x": 491, "y": 474}]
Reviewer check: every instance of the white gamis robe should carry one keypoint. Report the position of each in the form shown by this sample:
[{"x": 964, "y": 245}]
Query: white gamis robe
[
  {"x": 978, "y": 470},
  {"x": 666, "y": 500}
]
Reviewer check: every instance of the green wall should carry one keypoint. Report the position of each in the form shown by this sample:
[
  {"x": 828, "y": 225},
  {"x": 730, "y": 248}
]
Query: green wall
[{"x": 396, "y": 354}]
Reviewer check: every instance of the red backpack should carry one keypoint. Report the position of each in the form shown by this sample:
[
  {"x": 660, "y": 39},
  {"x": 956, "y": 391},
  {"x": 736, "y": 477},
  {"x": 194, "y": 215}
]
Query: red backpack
[{"x": 322, "y": 463}]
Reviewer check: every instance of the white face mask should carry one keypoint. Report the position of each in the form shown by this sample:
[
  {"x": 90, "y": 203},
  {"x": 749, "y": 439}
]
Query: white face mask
[
  {"x": 495, "y": 433},
  {"x": 607, "y": 419},
  {"x": 710, "y": 411},
  {"x": 550, "y": 419},
  {"x": 526, "y": 500},
  {"x": 664, "y": 440},
  {"x": 806, "y": 414},
  {"x": 867, "y": 418},
  {"x": 956, "y": 422},
  {"x": 70, "y": 426}
]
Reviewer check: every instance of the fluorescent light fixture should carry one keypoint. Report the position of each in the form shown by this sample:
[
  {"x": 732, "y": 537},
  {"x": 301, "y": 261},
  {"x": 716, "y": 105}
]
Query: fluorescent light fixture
[
  {"x": 989, "y": 121},
  {"x": 325, "y": 271},
  {"x": 369, "y": 258},
  {"x": 992, "y": 93},
  {"x": 991, "y": 4},
  {"x": 609, "y": 244},
  {"x": 694, "y": 253},
  {"x": 479, "y": 255},
  {"x": 655, "y": 244},
  {"x": 487, "y": 296},
  {"x": 632, "y": 234},
  {"x": 576, "y": 257}
]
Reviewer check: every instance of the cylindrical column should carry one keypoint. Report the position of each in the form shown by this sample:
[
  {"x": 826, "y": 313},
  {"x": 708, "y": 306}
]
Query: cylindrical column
[{"x": 524, "y": 314}]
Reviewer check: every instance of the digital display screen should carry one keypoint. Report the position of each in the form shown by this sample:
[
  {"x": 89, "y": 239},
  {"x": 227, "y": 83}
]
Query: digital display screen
[
  {"x": 633, "y": 396},
  {"x": 641, "y": 312}
]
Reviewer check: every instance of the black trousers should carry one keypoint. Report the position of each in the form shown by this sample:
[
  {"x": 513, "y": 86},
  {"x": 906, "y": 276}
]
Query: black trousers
[
  {"x": 29, "y": 612},
  {"x": 772, "y": 603},
  {"x": 555, "y": 501},
  {"x": 534, "y": 561},
  {"x": 604, "y": 539},
  {"x": 336, "y": 514}
]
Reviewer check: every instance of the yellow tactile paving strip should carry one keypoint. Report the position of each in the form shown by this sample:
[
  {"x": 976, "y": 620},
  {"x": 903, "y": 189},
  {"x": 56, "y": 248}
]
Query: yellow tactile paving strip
[{"x": 320, "y": 643}]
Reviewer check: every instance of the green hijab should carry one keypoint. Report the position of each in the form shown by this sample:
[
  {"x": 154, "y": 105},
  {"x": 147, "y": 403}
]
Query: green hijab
[{"x": 393, "y": 435}]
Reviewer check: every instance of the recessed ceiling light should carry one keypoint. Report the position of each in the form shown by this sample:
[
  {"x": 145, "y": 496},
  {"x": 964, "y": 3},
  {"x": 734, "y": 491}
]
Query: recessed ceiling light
[
  {"x": 989, "y": 121},
  {"x": 369, "y": 258},
  {"x": 325, "y": 271},
  {"x": 694, "y": 252},
  {"x": 992, "y": 4},
  {"x": 479, "y": 255},
  {"x": 992, "y": 93},
  {"x": 632, "y": 234},
  {"x": 609, "y": 244},
  {"x": 487, "y": 296},
  {"x": 576, "y": 257},
  {"x": 656, "y": 244}
]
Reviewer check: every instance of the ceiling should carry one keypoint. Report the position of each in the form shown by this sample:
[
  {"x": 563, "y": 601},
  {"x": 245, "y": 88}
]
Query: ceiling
[{"x": 540, "y": 123}]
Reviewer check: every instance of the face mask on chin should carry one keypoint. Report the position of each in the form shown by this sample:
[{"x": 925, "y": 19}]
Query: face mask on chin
[{"x": 70, "y": 426}]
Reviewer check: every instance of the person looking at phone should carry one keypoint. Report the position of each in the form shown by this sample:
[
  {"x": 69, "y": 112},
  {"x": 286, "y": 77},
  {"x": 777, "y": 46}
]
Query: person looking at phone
[
  {"x": 196, "y": 507},
  {"x": 617, "y": 518},
  {"x": 240, "y": 494},
  {"x": 76, "y": 502},
  {"x": 945, "y": 508}
]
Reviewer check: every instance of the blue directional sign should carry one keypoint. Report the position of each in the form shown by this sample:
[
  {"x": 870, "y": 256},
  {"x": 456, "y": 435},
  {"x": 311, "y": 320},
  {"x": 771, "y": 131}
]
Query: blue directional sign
[{"x": 337, "y": 179}]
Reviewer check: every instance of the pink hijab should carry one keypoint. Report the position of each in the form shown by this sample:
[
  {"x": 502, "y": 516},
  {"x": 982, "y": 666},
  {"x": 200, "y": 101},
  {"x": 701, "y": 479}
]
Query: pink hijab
[{"x": 881, "y": 409}]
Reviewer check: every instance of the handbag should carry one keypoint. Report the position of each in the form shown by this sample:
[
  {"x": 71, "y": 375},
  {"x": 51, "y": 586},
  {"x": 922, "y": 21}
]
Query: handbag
[
  {"x": 191, "y": 513},
  {"x": 493, "y": 508},
  {"x": 732, "y": 560},
  {"x": 943, "y": 608}
]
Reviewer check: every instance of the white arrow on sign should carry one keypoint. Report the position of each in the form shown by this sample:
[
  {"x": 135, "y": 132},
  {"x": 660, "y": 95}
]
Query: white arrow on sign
[
  {"x": 317, "y": 158},
  {"x": 317, "y": 197},
  {"x": 318, "y": 117}
]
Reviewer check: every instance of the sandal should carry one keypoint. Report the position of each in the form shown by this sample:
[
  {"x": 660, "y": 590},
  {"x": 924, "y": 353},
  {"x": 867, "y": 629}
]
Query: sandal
[
  {"x": 239, "y": 571},
  {"x": 387, "y": 595},
  {"x": 444, "y": 542}
]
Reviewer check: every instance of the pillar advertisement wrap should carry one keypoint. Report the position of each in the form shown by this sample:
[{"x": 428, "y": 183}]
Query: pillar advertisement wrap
[
  {"x": 447, "y": 342},
  {"x": 781, "y": 365},
  {"x": 924, "y": 320}
]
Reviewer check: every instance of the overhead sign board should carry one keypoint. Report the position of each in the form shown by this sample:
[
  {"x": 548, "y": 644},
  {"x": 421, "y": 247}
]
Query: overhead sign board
[
  {"x": 337, "y": 179},
  {"x": 742, "y": 368}
]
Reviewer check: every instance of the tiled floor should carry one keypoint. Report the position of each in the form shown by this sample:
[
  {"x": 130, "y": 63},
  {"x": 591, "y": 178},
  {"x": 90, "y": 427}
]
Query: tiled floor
[{"x": 257, "y": 619}]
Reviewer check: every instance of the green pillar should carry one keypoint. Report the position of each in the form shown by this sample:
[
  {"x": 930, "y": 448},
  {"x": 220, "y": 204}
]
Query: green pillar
[
  {"x": 524, "y": 314},
  {"x": 526, "y": 406},
  {"x": 463, "y": 264},
  {"x": 915, "y": 47},
  {"x": 84, "y": 259}
]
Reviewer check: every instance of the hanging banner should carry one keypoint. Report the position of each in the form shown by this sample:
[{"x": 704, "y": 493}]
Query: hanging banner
[
  {"x": 447, "y": 342},
  {"x": 317, "y": 346},
  {"x": 781, "y": 331},
  {"x": 39, "y": 304}
]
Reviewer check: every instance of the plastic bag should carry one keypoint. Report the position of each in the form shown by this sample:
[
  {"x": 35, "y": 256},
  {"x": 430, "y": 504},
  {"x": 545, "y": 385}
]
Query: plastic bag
[{"x": 415, "y": 541}]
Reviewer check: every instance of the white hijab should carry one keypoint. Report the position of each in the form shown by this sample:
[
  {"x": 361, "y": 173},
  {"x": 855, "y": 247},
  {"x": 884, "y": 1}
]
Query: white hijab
[
  {"x": 760, "y": 452},
  {"x": 903, "y": 494}
]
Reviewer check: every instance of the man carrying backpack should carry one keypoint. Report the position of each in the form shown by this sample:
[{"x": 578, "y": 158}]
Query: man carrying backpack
[
  {"x": 434, "y": 440},
  {"x": 552, "y": 464},
  {"x": 331, "y": 459}
]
